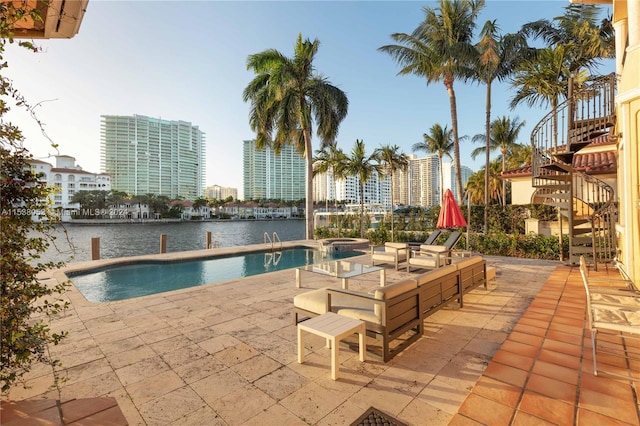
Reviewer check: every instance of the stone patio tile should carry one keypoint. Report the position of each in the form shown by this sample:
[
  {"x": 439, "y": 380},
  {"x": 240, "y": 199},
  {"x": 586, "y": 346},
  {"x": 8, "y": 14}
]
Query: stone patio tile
[
  {"x": 217, "y": 385},
  {"x": 421, "y": 412},
  {"x": 280, "y": 383},
  {"x": 83, "y": 356},
  {"x": 107, "y": 324},
  {"x": 383, "y": 396},
  {"x": 184, "y": 355},
  {"x": 100, "y": 385},
  {"x": 276, "y": 415},
  {"x": 236, "y": 354},
  {"x": 159, "y": 334},
  {"x": 171, "y": 407},
  {"x": 233, "y": 325},
  {"x": 256, "y": 367},
  {"x": 203, "y": 416},
  {"x": 122, "y": 359},
  {"x": 445, "y": 395},
  {"x": 313, "y": 402},
  {"x": 141, "y": 370},
  {"x": 170, "y": 344},
  {"x": 218, "y": 343},
  {"x": 200, "y": 368},
  {"x": 154, "y": 387},
  {"x": 345, "y": 414},
  {"x": 127, "y": 407},
  {"x": 122, "y": 345},
  {"x": 242, "y": 404},
  {"x": 87, "y": 370}
]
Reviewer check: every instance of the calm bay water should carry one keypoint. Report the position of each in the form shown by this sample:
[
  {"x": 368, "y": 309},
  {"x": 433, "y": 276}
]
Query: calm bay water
[{"x": 119, "y": 240}]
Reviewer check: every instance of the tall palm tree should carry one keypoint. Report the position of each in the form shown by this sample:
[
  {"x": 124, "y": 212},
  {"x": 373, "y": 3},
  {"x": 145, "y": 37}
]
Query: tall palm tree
[
  {"x": 575, "y": 46},
  {"x": 586, "y": 41},
  {"x": 437, "y": 141},
  {"x": 440, "y": 49},
  {"x": 331, "y": 158},
  {"x": 504, "y": 135},
  {"x": 287, "y": 97},
  {"x": 391, "y": 160},
  {"x": 362, "y": 166},
  {"x": 498, "y": 55}
]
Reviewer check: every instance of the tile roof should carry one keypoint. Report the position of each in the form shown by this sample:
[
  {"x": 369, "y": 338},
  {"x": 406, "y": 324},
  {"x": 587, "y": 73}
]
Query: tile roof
[{"x": 592, "y": 163}]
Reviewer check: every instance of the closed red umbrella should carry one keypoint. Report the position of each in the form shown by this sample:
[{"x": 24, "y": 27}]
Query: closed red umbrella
[{"x": 450, "y": 214}]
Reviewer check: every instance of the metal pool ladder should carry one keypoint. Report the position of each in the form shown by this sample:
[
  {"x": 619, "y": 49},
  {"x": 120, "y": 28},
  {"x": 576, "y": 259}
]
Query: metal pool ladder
[{"x": 273, "y": 240}]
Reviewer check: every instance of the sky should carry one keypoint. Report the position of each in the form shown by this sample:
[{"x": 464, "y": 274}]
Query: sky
[{"x": 186, "y": 60}]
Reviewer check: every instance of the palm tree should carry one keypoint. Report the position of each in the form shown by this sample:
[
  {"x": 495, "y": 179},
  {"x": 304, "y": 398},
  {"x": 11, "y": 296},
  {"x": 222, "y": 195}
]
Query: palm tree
[
  {"x": 287, "y": 97},
  {"x": 331, "y": 158},
  {"x": 392, "y": 159},
  {"x": 440, "y": 49},
  {"x": 363, "y": 167},
  {"x": 503, "y": 137},
  {"x": 497, "y": 58},
  {"x": 586, "y": 42},
  {"x": 576, "y": 44},
  {"x": 437, "y": 141}
]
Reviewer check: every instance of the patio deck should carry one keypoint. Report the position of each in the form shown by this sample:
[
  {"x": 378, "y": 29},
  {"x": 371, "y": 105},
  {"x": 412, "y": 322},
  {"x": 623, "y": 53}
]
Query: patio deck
[{"x": 225, "y": 354}]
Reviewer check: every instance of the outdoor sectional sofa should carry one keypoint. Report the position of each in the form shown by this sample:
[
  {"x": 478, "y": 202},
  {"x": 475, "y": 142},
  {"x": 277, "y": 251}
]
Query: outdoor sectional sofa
[{"x": 394, "y": 314}]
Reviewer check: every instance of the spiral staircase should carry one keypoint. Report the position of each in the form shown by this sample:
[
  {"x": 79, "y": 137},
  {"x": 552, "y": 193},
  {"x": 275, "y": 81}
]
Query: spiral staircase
[{"x": 585, "y": 202}]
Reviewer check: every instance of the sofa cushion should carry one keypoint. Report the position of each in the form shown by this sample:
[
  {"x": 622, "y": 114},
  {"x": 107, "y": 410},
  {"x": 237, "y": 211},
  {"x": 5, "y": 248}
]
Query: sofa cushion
[
  {"x": 468, "y": 261},
  {"x": 393, "y": 290},
  {"x": 312, "y": 301},
  {"x": 396, "y": 245},
  {"x": 435, "y": 274}
]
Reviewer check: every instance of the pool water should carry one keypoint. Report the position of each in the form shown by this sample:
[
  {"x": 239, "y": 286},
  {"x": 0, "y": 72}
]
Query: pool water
[{"x": 126, "y": 281}]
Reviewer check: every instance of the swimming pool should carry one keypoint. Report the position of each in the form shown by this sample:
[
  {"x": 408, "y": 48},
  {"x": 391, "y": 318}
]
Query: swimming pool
[{"x": 126, "y": 281}]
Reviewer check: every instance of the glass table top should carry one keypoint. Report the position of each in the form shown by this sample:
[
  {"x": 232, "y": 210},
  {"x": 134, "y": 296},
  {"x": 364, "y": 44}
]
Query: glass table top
[{"x": 340, "y": 268}]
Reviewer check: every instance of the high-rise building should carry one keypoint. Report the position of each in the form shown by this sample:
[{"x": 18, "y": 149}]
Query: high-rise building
[
  {"x": 146, "y": 155},
  {"x": 220, "y": 192},
  {"x": 450, "y": 177},
  {"x": 424, "y": 181},
  {"x": 271, "y": 176}
]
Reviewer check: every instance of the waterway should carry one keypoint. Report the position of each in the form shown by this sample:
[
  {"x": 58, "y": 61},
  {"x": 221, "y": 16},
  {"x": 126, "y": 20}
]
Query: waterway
[{"x": 73, "y": 241}]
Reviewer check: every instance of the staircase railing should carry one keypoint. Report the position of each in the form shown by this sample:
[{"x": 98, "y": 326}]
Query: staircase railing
[
  {"x": 594, "y": 200},
  {"x": 587, "y": 113}
]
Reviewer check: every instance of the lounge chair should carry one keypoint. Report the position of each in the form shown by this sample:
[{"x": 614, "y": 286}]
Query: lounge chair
[
  {"x": 428, "y": 257},
  {"x": 453, "y": 239},
  {"x": 431, "y": 239},
  {"x": 615, "y": 315},
  {"x": 390, "y": 253}
]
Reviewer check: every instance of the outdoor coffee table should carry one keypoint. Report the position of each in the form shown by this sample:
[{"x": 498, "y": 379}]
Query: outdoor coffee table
[
  {"x": 341, "y": 269},
  {"x": 334, "y": 328}
]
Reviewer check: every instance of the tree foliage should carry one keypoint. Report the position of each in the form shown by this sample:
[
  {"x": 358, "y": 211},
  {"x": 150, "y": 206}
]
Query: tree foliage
[{"x": 26, "y": 302}]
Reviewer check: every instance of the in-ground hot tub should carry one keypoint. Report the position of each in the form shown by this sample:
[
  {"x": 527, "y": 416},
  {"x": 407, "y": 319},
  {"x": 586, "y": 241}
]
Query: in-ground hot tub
[{"x": 343, "y": 244}]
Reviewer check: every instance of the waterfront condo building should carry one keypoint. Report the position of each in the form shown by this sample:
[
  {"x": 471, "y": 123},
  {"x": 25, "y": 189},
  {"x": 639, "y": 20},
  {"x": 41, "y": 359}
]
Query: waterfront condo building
[
  {"x": 67, "y": 179},
  {"x": 268, "y": 176},
  {"x": 145, "y": 155}
]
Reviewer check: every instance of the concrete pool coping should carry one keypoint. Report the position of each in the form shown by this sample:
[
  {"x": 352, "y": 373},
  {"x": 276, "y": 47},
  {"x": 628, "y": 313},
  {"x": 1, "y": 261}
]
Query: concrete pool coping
[{"x": 61, "y": 275}]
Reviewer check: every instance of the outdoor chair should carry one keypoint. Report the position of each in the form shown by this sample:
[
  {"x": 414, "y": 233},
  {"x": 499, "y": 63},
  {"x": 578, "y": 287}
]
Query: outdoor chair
[
  {"x": 613, "y": 286},
  {"x": 391, "y": 253},
  {"x": 431, "y": 239},
  {"x": 617, "y": 317},
  {"x": 453, "y": 239},
  {"x": 428, "y": 257}
]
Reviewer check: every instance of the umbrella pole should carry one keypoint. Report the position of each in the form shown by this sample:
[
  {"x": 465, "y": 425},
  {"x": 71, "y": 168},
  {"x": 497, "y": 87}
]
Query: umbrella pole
[{"x": 468, "y": 216}]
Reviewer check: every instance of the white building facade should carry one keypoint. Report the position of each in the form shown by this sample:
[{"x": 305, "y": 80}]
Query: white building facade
[
  {"x": 68, "y": 179},
  {"x": 268, "y": 176}
]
